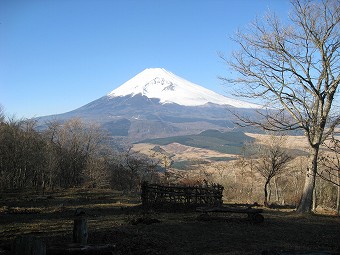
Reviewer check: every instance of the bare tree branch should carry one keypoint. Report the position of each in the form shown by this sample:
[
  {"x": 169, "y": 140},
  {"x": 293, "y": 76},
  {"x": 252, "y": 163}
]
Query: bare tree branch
[{"x": 294, "y": 68}]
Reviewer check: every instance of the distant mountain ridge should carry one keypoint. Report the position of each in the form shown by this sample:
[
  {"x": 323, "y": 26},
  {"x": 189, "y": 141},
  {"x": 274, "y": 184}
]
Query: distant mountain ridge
[{"x": 157, "y": 104}]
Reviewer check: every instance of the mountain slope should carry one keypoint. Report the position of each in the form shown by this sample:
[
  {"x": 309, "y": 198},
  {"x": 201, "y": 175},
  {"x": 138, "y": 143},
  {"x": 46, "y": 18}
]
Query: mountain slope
[
  {"x": 156, "y": 104},
  {"x": 170, "y": 88}
]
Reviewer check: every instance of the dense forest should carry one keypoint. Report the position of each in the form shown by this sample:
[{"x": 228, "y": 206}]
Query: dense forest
[{"x": 65, "y": 155}]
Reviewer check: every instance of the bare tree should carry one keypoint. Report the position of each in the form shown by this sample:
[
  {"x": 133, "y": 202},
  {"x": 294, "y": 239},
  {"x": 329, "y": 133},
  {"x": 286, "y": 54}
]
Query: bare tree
[
  {"x": 2, "y": 114},
  {"x": 245, "y": 170},
  {"x": 73, "y": 147},
  {"x": 21, "y": 155},
  {"x": 132, "y": 169},
  {"x": 330, "y": 166},
  {"x": 295, "y": 68},
  {"x": 271, "y": 160}
]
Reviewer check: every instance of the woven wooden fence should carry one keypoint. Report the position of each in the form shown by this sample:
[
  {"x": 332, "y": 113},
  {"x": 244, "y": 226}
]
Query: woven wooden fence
[{"x": 155, "y": 195}]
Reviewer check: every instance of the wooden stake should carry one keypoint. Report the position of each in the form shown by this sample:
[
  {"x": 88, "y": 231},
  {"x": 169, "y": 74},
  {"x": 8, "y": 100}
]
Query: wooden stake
[{"x": 80, "y": 233}]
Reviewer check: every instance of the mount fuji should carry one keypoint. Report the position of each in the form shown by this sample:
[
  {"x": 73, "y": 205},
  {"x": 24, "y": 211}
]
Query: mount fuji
[
  {"x": 170, "y": 88},
  {"x": 157, "y": 103}
]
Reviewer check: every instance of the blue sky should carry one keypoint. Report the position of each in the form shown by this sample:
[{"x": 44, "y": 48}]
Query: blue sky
[{"x": 57, "y": 55}]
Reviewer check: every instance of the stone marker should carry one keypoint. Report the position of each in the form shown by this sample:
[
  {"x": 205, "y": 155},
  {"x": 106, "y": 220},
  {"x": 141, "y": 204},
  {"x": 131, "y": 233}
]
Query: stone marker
[{"x": 80, "y": 233}]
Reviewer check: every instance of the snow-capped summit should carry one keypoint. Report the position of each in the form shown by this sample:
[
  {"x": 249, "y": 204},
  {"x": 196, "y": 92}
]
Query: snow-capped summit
[{"x": 170, "y": 88}]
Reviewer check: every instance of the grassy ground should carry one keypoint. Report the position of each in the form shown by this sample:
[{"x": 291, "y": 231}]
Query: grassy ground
[{"x": 112, "y": 218}]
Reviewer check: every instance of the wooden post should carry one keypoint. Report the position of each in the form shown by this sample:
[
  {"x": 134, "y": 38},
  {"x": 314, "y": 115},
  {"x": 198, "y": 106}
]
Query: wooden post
[
  {"x": 80, "y": 233},
  {"x": 28, "y": 245}
]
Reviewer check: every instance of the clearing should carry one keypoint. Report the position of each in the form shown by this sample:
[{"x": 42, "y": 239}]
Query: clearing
[{"x": 113, "y": 217}]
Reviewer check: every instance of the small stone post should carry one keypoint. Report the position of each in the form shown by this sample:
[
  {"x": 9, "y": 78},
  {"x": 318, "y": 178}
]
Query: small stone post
[
  {"x": 28, "y": 245},
  {"x": 80, "y": 233}
]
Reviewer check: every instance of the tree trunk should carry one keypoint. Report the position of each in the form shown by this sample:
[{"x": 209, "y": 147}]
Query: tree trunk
[
  {"x": 306, "y": 202},
  {"x": 338, "y": 198},
  {"x": 277, "y": 197},
  {"x": 315, "y": 196},
  {"x": 266, "y": 193}
]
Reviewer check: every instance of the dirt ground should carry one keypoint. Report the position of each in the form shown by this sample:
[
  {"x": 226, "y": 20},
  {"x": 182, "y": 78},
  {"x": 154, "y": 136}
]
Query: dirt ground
[{"x": 115, "y": 218}]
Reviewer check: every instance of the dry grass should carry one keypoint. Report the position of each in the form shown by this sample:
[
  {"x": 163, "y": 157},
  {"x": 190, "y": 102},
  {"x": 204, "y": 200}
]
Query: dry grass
[
  {"x": 292, "y": 142},
  {"x": 110, "y": 215},
  {"x": 181, "y": 152}
]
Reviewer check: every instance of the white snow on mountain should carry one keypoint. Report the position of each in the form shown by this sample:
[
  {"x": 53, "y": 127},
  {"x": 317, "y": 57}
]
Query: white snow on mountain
[{"x": 170, "y": 88}]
